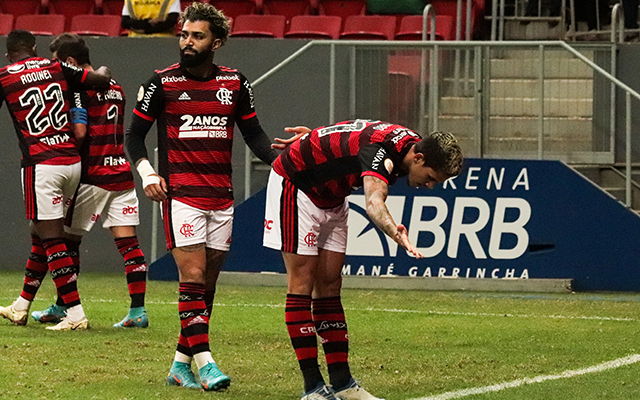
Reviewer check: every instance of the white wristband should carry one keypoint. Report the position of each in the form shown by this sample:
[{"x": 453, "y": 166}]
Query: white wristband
[{"x": 147, "y": 173}]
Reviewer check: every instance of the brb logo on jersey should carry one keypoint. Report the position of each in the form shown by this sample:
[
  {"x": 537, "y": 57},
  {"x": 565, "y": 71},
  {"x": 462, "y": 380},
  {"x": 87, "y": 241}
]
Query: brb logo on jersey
[
  {"x": 224, "y": 96},
  {"x": 203, "y": 126}
]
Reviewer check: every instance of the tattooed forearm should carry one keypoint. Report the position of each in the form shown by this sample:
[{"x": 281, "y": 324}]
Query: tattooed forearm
[{"x": 376, "y": 191}]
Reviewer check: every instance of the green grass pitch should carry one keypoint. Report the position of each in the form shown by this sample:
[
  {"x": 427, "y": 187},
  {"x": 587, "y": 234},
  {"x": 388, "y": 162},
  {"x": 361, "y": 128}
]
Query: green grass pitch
[{"x": 404, "y": 344}]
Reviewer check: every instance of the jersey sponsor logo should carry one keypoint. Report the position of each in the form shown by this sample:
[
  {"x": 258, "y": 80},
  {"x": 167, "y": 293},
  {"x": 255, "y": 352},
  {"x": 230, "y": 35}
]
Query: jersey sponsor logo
[
  {"x": 56, "y": 139},
  {"x": 402, "y": 133},
  {"x": 95, "y": 217},
  {"x": 56, "y": 200},
  {"x": 224, "y": 96},
  {"x": 375, "y": 164},
  {"x": 146, "y": 96},
  {"x": 247, "y": 85},
  {"x": 203, "y": 126},
  {"x": 129, "y": 210},
  {"x": 77, "y": 101},
  {"x": 184, "y": 96},
  {"x": 35, "y": 77},
  {"x": 268, "y": 224},
  {"x": 140, "y": 94},
  {"x": 114, "y": 161},
  {"x": 227, "y": 78},
  {"x": 357, "y": 125},
  {"x": 15, "y": 69},
  {"x": 169, "y": 79},
  {"x": 382, "y": 127}
]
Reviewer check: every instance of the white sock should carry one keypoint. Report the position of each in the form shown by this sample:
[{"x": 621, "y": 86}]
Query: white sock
[
  {"x": 203, "y": 359},
  {"x": 75, "y": 313},
  {"x": 183, "y": 358},
  {"x": 21, "y": 304}
]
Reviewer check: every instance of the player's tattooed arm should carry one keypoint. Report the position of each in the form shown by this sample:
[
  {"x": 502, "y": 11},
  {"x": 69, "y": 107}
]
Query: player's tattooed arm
[{"x": 376, "y": 191}]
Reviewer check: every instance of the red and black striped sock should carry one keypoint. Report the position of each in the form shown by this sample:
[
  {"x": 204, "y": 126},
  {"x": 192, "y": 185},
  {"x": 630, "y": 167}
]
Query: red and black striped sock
[
  {"x": 183, "y": 343},
  {"x": 194, "y": 318},
  {"x": 328, "y": 316},
  {"x": 135, "y": 268},
  {"x": 35, "y": 271},
  {"x": 63, "y": 270},
  {"x": 303, "y": 338}
]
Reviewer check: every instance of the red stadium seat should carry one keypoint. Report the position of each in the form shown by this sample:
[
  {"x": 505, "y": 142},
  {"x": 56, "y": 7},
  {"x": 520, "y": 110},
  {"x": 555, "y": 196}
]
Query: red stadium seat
[
  {"x": 43, "y": 24},
  {"x": 23, "y": 7},
  {"x": 110, "y": 7},
  {"x": 288, "y": 8},
  {"x": 71, "y": 8},
  {"x": 342, "y": 8},
  {"x": 233, "y": 8},
  {"x": 369, "y": 27},
  {"x": 259, "y": 26},
  {"x": 6, "y": 24},
  {"x": 96, "y": 25},
  {"x": 411, "y": 28},
  {"x": 314, "y": 27}
]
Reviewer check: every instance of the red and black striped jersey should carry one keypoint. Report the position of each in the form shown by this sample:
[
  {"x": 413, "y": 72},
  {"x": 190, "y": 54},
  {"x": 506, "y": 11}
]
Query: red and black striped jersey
[
  {"x": 36, "y": 92},
  {"x": 329, "y": 162},
  {"x": 104, "y": 163},
  {"x": 195, "y": 120}
]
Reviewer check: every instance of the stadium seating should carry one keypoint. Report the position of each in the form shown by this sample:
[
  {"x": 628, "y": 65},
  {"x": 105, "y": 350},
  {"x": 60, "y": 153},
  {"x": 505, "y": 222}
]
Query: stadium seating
[
  {"x": 411, "y": 28},
  {"x": 71, "y": 8},
  {"x": 42, "y": 24},
  {"x": 342, "y": 8},
  {"x": 6, "y": 24},
  {"x": 314, "y": 27},
  {"x": 233, "y": 8},
  {"x": 110, "y": 7},
  {"x": 288, "y": 8},
  {"x": 96, "y": 25},
  {"x": 268, "y": 26},
  {"x": 449, "y": 8},
  {"x": 23, "y": 7},
  {"x": 369, "y": 27}
]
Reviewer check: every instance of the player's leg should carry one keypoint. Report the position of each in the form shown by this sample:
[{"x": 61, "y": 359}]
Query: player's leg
[
  {"x": 121, "y": 218},
  {"x": 81, "y": 213},
  {"x": 35, "y": 272},
  {"x": 328, "y": 313},
  {"x": 289, "y": 219}
]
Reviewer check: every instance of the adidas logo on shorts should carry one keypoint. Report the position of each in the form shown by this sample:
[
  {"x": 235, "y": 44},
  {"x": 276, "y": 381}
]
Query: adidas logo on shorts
[{"x": 184, "y": 96}]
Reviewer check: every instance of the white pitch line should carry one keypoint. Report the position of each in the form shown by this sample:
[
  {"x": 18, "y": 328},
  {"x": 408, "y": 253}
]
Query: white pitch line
[
  {"x": 392, "y": 310},
  {"x": 620, "y": 362}
]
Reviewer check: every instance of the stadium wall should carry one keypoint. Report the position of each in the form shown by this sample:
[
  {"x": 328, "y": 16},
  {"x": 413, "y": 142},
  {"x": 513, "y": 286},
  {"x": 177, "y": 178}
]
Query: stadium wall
[{"x": 132, "y": 61}]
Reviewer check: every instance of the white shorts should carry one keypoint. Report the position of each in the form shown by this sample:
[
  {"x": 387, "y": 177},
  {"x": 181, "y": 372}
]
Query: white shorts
[
  {"x": 120, "y": 209},
  {"x": 46, "y": 189},
  {"x": 185, "y": 225},
  {"x": 293, "y": 224}
]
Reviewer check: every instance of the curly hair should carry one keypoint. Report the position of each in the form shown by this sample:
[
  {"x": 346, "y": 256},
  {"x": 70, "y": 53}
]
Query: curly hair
[
  {"x": 442, "y": 152},
  {"x": 218, "y": 22}
]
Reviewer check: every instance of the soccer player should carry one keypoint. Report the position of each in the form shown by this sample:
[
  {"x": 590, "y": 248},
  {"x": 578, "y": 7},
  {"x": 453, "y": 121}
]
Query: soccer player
[
  {"x": 196, "y": 104},
  {"x": 306, "y": 218},
  {"x": 36, "y": 90},
  {"x": 106, "y": 184}
]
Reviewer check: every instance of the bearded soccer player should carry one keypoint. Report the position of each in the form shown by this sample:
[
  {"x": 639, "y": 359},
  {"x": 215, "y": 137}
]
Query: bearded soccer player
[
  {"x": 307, "y": 198},
  {"x": 36, "y": 92},
  {"x": 106, "y": 188},
  {"x": 196, "y": 104}
]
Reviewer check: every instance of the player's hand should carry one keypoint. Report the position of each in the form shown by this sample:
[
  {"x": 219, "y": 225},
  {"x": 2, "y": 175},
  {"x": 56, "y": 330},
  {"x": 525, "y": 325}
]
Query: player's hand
[
  {"x": 404, "y": 238},
  {"x": 157, "y": 191},
  {"x": 298, "y": 131}
]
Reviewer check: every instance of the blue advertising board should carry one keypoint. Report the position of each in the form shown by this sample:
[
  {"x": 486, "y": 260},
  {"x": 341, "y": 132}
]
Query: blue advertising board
[{"x": 500, "y": 219}]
